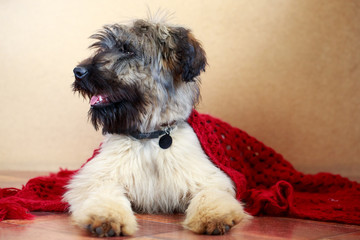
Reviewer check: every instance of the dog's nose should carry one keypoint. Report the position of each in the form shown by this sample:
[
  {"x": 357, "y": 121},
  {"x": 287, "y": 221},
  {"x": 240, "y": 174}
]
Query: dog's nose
[{"x": 80, "y": 72}]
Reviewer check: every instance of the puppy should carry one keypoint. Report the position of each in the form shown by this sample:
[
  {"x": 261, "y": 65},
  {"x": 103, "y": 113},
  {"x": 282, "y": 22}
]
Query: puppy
[{"x": 142, "y": 82}]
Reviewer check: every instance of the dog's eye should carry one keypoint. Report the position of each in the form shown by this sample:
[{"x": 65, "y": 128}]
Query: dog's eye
[
  {"x": 125, "y": 49},
  {"x": 144, "y": 28}
]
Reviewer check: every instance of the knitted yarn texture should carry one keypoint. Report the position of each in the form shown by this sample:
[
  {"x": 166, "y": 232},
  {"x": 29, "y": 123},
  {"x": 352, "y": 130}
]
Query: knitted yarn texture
[
  {"x": 268, "y": 184},
  {"x": 264, "y": 181}
]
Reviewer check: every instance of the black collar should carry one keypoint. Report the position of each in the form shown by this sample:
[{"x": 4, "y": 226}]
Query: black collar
[{"x": 151, "y": 135}]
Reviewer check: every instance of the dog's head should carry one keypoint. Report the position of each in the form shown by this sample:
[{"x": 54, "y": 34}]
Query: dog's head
[{"x": 142, "y": 76}]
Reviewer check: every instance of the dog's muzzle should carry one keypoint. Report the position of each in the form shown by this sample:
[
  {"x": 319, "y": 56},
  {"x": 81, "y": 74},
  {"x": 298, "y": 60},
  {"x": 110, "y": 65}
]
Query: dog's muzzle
[{"x": 80, "y": 73}]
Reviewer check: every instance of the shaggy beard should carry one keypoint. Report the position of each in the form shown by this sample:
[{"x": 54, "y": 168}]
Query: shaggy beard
[
  {"x": 116, "y": 118},
  {"x": 126, "y": 103}
]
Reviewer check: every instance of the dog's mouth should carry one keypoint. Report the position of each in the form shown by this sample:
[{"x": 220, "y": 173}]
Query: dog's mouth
[{"x": 99, "y": 101}]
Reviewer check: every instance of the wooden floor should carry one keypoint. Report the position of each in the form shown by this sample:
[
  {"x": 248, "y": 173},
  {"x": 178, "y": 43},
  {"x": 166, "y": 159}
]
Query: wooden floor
[{"x": 58, "y": 226}]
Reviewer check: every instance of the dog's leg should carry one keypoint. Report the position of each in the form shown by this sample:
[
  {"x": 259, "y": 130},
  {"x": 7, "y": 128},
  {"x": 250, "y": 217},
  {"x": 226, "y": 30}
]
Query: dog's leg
[
  {"x": 213, "y": 212},
  {"x": 105, "y": 212}
]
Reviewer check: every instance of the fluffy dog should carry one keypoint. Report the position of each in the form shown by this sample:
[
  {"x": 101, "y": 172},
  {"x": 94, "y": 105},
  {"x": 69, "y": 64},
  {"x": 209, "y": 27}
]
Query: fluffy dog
[{"x": 142, "y": 82}]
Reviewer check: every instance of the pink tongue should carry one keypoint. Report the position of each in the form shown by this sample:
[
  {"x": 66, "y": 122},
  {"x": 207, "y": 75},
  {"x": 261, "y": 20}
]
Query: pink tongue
[
  {"x": 94, "y": 99},
  {"x": 97, "y": 99}
]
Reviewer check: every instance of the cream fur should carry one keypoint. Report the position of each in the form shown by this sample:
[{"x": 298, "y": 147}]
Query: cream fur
[
  {"x": 137, "y": 175},
  {"x": 213, "y": 209}
]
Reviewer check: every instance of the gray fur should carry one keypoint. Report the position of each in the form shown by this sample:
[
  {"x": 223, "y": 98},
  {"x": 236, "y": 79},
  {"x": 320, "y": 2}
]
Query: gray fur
[{"x": 157, "y": 64}]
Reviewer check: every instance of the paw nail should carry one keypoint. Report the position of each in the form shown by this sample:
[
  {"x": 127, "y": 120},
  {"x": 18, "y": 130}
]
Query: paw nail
[
  {"x": 99, "y": 230},
  {"x": 89, "y": 228},
  {"x": 227, "y": 228},
  {"x": 216, "y": 232},
  {"x": 111, "y": 233}
]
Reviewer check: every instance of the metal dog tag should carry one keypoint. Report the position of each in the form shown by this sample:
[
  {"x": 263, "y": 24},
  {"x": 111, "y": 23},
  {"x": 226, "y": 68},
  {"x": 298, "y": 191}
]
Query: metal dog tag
[{"x": 165, "y": 141}]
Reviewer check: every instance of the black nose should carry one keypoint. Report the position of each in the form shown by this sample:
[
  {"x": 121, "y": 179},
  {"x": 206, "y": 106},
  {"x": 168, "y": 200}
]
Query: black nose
[{"x": 80, "y": 72}]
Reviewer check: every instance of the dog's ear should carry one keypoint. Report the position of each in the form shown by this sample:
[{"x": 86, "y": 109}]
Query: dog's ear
[{"x": 183, "y": 54}]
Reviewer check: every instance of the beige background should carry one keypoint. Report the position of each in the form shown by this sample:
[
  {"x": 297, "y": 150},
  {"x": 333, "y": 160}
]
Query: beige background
[{"x": 285, "y": 71}]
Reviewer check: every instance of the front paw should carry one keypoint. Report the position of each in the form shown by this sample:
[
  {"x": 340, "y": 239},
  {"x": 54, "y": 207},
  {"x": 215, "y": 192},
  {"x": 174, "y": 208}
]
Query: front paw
[
  {"x": 213, "y": 213},
  {"x": 110, "y": 227},
  {"x": 106, "y": 220}
]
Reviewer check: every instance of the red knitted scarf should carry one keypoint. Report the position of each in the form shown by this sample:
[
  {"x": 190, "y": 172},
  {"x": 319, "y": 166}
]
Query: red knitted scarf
[{"x": 265, "y": 181}]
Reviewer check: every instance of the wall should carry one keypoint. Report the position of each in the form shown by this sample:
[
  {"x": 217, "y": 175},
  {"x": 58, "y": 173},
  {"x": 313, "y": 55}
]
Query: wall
[{"x": 285, "y": 71}]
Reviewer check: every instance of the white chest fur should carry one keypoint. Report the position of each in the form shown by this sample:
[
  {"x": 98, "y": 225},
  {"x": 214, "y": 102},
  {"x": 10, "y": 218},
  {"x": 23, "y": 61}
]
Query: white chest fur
[{"x": 153, "y": 179}]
